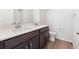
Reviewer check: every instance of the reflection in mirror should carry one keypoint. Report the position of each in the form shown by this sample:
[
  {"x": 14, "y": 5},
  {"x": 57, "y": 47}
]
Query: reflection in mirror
[
  {"x": 36, "y": 16},
  {"x": 27, "y": 16},
  {"x": 23, "y": 16},
  {"x": 17, "y": 18}
]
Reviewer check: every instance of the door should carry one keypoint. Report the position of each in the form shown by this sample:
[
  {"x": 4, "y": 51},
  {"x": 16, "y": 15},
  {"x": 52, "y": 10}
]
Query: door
[
  {"x": 76, "y": 28},
  {"x": 34, "y": 43}
]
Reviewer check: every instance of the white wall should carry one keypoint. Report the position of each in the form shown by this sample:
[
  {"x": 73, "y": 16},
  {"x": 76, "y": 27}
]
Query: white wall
[
  {"x": 6, "y": 17},
  {"x": 61, "y": 22}
]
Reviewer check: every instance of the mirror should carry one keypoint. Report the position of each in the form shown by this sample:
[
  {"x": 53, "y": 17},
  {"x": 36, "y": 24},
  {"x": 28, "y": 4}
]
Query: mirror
[
  {"x": 26, "y": 16},
  {"x": 23, "y": 16}
]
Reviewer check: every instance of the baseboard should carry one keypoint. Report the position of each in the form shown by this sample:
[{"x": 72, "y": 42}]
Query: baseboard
[
  {"x": 64, "y": 39},
  {"x": 51, "y": 39}
]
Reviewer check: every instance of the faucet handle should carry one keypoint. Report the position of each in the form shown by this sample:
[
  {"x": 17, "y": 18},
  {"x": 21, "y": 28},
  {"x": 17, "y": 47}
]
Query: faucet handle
[
  {"x": 13, "y": 23},
  {"x": 77, "y": 33}
]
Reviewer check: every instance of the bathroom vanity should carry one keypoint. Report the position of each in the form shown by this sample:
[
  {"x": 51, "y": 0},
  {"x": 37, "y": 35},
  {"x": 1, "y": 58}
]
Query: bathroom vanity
[{"x": 34, "y": 38}]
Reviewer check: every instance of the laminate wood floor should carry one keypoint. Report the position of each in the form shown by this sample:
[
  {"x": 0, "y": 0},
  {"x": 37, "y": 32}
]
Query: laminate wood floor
[{"x": 59, "y": 44}]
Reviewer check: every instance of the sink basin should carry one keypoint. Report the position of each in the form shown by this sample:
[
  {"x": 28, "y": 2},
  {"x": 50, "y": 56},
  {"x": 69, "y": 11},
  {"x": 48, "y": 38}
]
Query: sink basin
[
  {"x": 24, "y": 28},
  {"x": 30, "y": 27},
  {"x": 19, "y": 29}
]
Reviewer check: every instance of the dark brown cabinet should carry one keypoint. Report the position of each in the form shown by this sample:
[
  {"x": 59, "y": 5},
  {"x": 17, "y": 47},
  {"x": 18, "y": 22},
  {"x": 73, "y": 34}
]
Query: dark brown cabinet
[
  {"x": 33, "y": 40},
  {"x": 44, "y": 37},
  {"x": 47, "y": 36},
  {"x": 1, "y": 45},
  {"x": 42, "y": 40}
]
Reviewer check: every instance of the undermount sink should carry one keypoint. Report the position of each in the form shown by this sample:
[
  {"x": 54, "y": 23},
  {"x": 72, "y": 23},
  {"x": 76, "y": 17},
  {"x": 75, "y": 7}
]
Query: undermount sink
[
  {"x": 23, "y": 28},
  {"x": 29, "y": 27}
]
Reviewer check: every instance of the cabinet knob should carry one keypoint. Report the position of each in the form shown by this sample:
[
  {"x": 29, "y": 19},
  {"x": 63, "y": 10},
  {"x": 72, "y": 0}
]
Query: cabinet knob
[
  {"x": 26, "y": 47},
  {"x": 30, "y": 45},
  {"x": 77, "y": 33}
]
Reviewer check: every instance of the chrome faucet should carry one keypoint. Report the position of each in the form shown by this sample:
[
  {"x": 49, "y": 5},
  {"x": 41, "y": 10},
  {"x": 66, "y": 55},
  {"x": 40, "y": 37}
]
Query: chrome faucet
[{"x": 16, "y": 25}]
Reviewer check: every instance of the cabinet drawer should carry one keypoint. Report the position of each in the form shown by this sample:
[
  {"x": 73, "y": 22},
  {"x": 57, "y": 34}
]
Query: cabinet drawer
[
  {"x": 44, "y": 29},
  {"x": 13, "y": 42},
  {"x": 31, "y": 34}
]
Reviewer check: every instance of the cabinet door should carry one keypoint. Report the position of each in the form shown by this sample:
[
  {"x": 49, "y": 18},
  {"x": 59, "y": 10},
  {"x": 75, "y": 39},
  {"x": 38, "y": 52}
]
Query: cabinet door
[
  {"x": 47, "y": 37},
  {"x": 34, "y": 43},
  {"x": 1, "y": 45},
  {"x": 14, "y": 42},
  {"x": 42, "y": 40}
]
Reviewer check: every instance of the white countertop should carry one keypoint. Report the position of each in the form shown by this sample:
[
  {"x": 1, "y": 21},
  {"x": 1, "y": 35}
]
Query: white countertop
[{"x": 9, "y": 33}]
